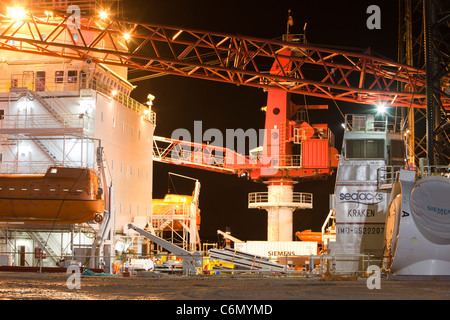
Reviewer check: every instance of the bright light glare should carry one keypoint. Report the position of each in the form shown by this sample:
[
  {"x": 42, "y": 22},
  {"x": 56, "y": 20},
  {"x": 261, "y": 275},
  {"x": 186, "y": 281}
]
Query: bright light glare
[
  {"x": 381, "y": 108},
  {"x": 103, "y": 15},
  {"x": 126, "y": 36},
  {"x": 16, "y": 13},
  {"x": 114, "y": 93}
]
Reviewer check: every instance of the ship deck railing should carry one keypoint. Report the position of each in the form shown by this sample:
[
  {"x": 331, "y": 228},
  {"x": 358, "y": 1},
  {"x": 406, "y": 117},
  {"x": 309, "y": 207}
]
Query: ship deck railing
[
  {"x": 296, "y": 200},
  {"x": 39, "y": 124},
  {"x": 55, "y": 89},
  {"x": 388, "y": 175},
  {"x": 372, "y": 123},
  {"x": 39, "y": 167}
]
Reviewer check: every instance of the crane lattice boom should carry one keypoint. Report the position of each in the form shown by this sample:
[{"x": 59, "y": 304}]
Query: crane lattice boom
[{"x": 316, "y": 71}]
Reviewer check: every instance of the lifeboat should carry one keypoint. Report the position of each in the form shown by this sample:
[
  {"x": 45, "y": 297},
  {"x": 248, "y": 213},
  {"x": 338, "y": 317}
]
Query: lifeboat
[
  {"x": 321, "y": 240},
  {"x": 62, "y": 195},
  {"x": 308, "y": 235}
]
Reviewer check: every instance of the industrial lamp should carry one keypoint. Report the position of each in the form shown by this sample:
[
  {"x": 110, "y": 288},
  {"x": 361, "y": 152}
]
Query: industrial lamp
[
  {"x": 16, "y": 13},
  {"x": 381, "y": 108}
]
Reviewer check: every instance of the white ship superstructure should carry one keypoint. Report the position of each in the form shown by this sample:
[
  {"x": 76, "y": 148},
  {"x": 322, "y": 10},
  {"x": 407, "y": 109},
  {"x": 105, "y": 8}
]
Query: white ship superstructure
[
  {"x": 369, "y": 144},
  {"x": 59, "y": 112}
]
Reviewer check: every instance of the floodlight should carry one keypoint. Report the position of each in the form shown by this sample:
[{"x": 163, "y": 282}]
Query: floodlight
[
  {"x": 381, "y": 108},
  {"x": 16, "y": 13}
]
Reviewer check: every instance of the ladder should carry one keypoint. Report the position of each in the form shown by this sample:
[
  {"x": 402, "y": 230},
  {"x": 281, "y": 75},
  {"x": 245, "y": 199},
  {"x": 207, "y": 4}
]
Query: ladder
[{"x": 43, "y": 244}]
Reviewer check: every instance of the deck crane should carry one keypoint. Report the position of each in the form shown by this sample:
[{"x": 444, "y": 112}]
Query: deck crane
[{"x": 357, "y": 77}]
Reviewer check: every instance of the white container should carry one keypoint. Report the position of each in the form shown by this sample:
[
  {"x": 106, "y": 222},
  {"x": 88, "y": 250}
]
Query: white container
[{"x": 272, "y": 249}]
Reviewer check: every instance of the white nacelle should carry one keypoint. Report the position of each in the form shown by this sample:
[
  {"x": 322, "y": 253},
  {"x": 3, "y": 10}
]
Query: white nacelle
[{"x": 417, "y": 237}]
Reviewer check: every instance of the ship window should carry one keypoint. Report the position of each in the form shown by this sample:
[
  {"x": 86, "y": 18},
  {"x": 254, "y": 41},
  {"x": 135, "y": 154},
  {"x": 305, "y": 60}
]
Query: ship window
[
  {"x": 59, "y": 76},
  {"x": 72, "y": 76},
  {"x": 365, "y": 149},
  {"x": 53, "y": 170},
  {"x": 66, "y": 190},
  {"x": 24, "y": 189},
  {"x": 355, "y": 149},
  {"x": 11, "y": 189},
  {"x": 375, "y": 149},
  {"x": 52, "y": 189}
]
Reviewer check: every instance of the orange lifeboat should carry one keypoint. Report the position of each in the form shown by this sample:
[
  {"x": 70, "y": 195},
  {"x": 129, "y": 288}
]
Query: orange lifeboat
[
  {"x": 308, "y": 235},
  {"x": 61, "y": 195}
]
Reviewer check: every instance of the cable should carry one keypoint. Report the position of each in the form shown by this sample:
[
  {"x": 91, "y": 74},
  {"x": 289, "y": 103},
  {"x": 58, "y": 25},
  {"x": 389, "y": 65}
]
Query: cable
[{"x": 339, "y": 109}]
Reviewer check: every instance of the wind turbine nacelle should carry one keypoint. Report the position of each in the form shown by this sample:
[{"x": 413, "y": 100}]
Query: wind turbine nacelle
[{"x": 417, "y": 237}]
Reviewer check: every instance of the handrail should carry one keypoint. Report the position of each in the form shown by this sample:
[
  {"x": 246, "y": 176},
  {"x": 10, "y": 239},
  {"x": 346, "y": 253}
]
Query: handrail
[
  {"x": 40, "y": 86},
  {"x": 37, "y": 167},
  {"x": 388, "y": 175},
  {"x": 96, "y": 85},
  {"x": 264, "y": 197},
  {"x": 42, "y": 121},
  {"x": 367, "y": 123}
]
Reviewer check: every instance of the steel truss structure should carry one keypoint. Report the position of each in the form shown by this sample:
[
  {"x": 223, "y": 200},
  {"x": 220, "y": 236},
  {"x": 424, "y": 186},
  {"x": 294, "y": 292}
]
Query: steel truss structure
[
  {"x": 414, "y": 24},
  {"x": 315, "y": 71}
]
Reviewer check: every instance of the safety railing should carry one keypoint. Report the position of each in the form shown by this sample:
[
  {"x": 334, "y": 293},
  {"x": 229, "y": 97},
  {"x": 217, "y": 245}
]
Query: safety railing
[
  {"x": 123, "y": 98},
  {"x": 297, "y": 199},
  {"x": 38, "y": 167},
  {"x": 42, "y": 121},
  {"x": 388, "y": 175},
  {"x": 48, "y": 87},
  {"x": 368, "y": 123}
]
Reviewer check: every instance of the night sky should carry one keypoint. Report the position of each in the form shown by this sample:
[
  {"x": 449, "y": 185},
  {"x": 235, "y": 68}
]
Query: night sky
[{"x": 180, "y": 101}]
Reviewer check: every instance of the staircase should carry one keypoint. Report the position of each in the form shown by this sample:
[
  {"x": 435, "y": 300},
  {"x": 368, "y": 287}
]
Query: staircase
[
  {"x": 52, "y": 104},
  {"x": 50, "y": 154},
  {"x": 44, "y": 244}
]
